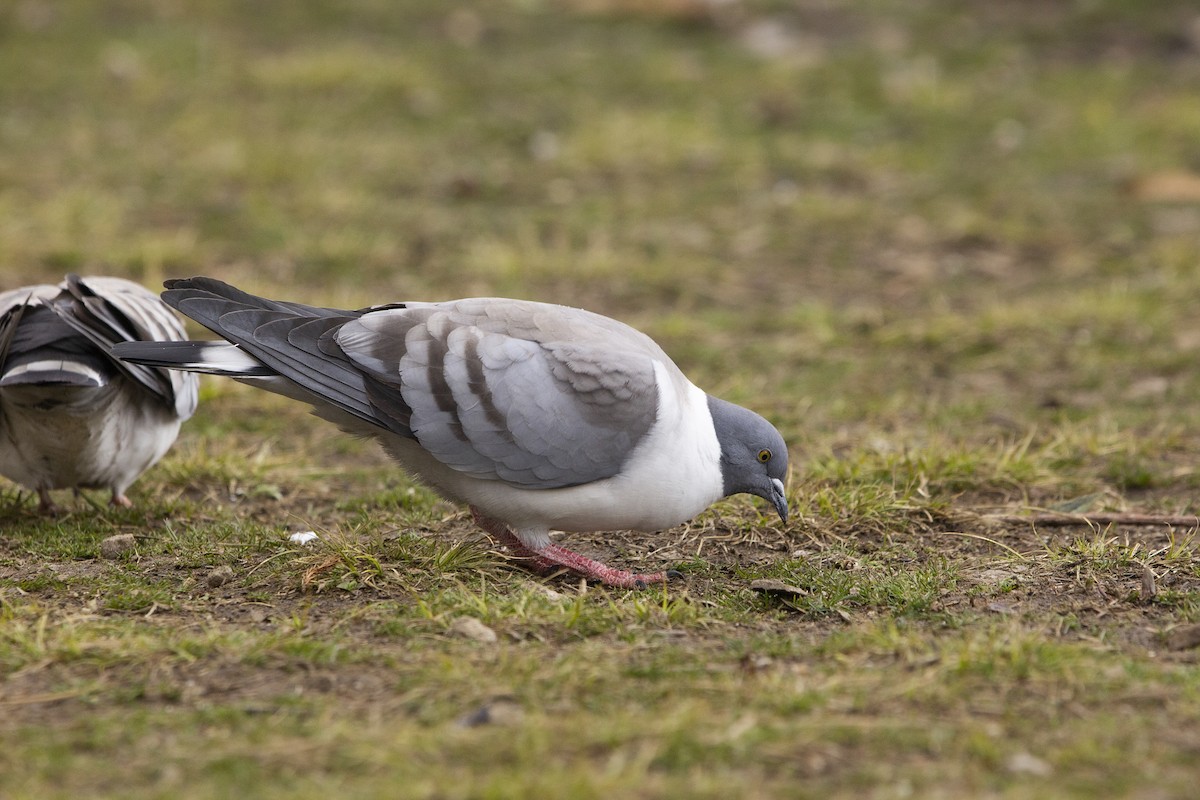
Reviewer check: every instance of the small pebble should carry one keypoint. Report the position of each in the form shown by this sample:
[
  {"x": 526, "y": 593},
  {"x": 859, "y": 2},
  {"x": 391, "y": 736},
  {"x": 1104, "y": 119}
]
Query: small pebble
[
  {"x": 1185, "y": 637},
  {"x": 471, "y": 628},
  {"x": 1024, "y": 763},
  {"x": 115, "y": 546},
  {"x": 544, "y": 591},
  {"x": 504, "y": 711},
  {"x": 1149, "y": 584},
  {"x": 777, "y": 588},
  {"x": 219, "y": 576}
]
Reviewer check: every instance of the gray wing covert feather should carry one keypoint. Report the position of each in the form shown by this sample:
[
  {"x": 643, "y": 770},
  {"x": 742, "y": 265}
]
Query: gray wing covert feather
[
  {"x": 106, "y": 311},
  {"x": 110, "y": 310},
  {"x": 12, "y": 307},
  {"x": 499, "y": 394},
  {"x": 294, "y": 340}
]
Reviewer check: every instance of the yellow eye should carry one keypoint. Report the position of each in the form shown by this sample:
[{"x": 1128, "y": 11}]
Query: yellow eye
[{"x": 764, "y": 456}]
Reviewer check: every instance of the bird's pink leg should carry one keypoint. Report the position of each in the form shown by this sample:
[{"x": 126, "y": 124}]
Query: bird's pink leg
[
  {"x": 121, "y": 500},
  {"x": 590, "y": 568},
  {"x": 552, "y": 555},
  {"x": 45, "y": 504},
  {"x": 506, "y": 537}
]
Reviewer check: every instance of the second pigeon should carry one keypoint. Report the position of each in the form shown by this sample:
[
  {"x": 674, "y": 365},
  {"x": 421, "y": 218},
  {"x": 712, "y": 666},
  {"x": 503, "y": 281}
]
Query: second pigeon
[{"x": 71, "y": 415}]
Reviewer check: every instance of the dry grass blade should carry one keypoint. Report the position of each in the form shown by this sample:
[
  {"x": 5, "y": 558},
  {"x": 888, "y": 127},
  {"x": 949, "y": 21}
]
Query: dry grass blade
[{"x": 1054, "y": 519}]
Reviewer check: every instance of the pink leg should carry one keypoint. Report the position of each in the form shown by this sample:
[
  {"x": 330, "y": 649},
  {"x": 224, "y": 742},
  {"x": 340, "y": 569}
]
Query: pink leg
[
  {"x": 590, "y": 568},
  {"x": 553, "y": 555},
  {"x": 120, "y": 500},
  {"x": 45, "y": 504},
  {"x": 509, "y": 539}
]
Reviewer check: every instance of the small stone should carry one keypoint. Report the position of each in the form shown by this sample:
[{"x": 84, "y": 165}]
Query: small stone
[
  {"x": 777, "y": 588},
  {"x": 1028, "y": 764},
  {"x": 503, "y": 711},
  {"x": 115, "y": 546},
  {"x": 755, "y": 662},
  {"x": 996, "y": 576},
  {"x": 1185, "y": 637},
  {"x": 1151, "y": 388},
  {"x": 464, "y": 27},
  {"x": 545, "y": 591},
  {"x": 471, "y": 628},
  {"x": 544, "y": 146},
  {"x": 1149, "y": 584},
  {"x": 220, "y": 576}
]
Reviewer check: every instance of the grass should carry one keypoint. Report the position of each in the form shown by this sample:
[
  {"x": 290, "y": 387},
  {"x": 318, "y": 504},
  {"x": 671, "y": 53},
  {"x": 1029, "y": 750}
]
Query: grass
[{"x": 948, "y": 248}]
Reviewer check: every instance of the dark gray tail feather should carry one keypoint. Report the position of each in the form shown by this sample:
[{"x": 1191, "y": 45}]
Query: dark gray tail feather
[
  {"x": 214, "y": 358},
  {"x": 207, "y": 299},
  {"x": 291, "y": 340}
]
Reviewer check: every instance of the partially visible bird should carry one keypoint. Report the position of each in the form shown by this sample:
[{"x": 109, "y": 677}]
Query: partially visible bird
[
  {"x": 538, "y": 417},
  {"x": 71, "y": 415}
]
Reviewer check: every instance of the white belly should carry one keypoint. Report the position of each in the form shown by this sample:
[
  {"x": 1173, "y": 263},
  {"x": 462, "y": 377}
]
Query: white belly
[
  {"x": 673, "y": 475},
  {"x": 59, "y": 438}
]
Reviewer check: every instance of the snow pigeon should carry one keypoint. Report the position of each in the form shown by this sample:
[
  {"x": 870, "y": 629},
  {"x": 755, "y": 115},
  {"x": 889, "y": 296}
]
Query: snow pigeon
[
  {"x": 538, "y": 417},
  {"x": 71, "y": 415}
]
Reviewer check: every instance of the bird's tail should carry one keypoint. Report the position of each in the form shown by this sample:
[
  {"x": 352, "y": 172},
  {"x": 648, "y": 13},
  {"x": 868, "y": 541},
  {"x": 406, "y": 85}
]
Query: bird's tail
[
  {"x": 53, "y": 372},
  {"x": 286, "y": 348},
  {"x": 214, "y": 358}
]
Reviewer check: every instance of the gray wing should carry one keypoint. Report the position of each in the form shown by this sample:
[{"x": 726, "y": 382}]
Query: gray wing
[
  {"x": 535, "y": 395},
  {"x": 13, "y": 305},
  {"x": 18, "y": 297},
  {"x": 292, "y": 340},
  {"x": 111, "y": 310}
]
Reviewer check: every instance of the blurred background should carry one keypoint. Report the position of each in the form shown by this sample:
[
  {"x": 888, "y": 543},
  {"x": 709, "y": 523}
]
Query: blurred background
[
  {"x": 882, "y": 223},
  {"x": 948, "y": 246}
]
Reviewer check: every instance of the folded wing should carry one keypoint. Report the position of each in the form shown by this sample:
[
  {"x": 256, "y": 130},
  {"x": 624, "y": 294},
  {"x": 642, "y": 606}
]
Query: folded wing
[{"x": 531, "y": 394}]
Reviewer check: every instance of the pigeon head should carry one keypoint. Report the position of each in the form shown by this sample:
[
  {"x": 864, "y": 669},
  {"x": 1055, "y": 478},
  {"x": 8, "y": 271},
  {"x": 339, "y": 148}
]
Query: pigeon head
[{"x": 754, "y": 458}]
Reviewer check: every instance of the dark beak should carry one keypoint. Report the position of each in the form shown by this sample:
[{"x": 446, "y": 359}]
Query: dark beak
[{"x": 779, "y": 498}]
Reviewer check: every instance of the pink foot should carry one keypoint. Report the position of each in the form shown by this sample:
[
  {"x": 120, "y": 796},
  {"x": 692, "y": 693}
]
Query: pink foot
[
  {"x": 45, "y": 504},
  {"x": 500, "y": 532},
  {"x": 120, "y": 500},
  {"x": 590, "y": 568},
  {"x": 554, "y": 556}
]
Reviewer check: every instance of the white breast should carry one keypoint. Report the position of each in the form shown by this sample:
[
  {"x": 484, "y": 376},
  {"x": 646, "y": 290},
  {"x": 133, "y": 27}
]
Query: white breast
[
  {"x": 672, "y": 475},
  {"x": 81, "y": 437}
]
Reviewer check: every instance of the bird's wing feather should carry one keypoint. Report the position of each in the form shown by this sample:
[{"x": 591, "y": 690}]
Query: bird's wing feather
[
  {"x": 536, "y": 396},
  {"x": 108, "y": 311},
  {"x": 290, "y": 338},
  {"x": 13, "y": 305}
]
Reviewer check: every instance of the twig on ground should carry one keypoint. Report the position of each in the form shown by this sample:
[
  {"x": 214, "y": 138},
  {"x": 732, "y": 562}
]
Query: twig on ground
[
  {"x": 1052, "y": 519},
  {"x": 989, "y": 540}
]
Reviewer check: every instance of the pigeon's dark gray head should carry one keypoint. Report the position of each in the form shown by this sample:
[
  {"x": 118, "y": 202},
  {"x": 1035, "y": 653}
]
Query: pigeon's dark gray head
[{"x": 754, "y": 458}]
